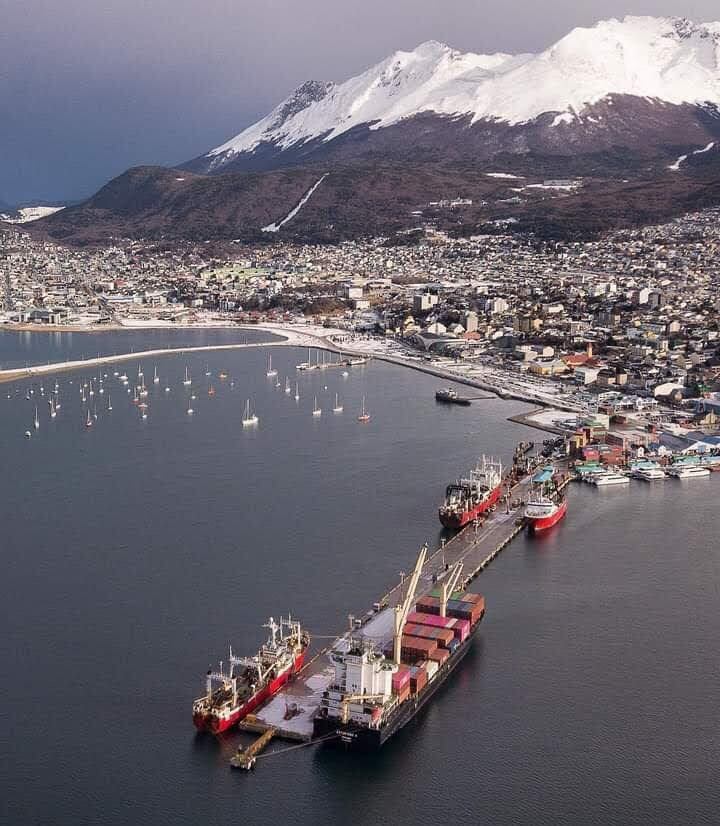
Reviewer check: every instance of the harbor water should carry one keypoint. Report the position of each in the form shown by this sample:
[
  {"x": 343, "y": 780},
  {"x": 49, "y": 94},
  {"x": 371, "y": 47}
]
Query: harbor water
[{"x": 135, "y": 550}]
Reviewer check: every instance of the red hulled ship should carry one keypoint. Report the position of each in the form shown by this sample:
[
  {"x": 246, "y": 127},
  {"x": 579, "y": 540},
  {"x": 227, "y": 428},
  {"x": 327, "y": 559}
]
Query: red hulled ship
[
  {"x": 546, "y": 505},
  {"x": 543, "y": 512},
  {"x": 468, "y": 498},
  {"x": 251, "y": 680}
]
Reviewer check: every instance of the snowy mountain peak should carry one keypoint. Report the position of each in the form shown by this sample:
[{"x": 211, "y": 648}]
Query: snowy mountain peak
[{"x": 656, "y": 58}]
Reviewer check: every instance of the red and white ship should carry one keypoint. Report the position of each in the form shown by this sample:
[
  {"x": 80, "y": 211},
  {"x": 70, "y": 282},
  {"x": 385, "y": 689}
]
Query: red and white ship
[
  {"x": 543, "y": 512},
  {"x": 467, "y": 499},
  {"x": 251, "y": 680}
]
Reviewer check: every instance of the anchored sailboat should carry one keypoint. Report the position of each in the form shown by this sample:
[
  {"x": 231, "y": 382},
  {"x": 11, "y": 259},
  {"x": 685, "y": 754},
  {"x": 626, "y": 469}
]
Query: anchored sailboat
[
  {"x": 249, "y": 418},
  {"x": 270, "y": 372},
  {"x": 187, "y": 381},
  {"x": 364, "y": 415},
  {"x": 338, "y": 407},
  {"x": 316, "y": 410}
]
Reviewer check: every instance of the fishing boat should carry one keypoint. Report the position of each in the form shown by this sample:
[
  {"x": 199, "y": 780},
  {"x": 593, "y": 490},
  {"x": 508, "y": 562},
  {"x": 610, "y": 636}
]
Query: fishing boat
[
  {"x": 317, "y": 411},
  {"x": 338, "y": 407},
  {"x": 270, "y": 371},
  {"x": 187, "y": 381},
  {"x": 249, "y": 418},
  {"x": 364, "y": 415}
]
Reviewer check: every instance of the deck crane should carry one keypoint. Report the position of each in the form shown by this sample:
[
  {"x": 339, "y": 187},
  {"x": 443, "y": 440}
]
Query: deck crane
[
  {"x": 401, "y": 611},
  {"x": 357, "y": 698},
  {"x": 448, "y": 586}
]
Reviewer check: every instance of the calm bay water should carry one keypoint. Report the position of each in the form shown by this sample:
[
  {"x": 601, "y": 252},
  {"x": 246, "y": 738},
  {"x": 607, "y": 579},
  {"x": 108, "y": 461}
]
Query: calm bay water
[{"x": 135, "y": 551}]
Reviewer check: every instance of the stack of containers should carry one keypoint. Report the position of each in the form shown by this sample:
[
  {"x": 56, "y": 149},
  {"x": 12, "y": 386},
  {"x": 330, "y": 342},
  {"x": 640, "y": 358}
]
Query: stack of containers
[
  {"x": 443, "y": 636},
  {"x": 414, "y": 649},
  {"x": 461, "y": 628},
  {"x": 439, "y": 655},
  {"x": 400, "y": 679},
  {"x": 469, "y": 608},
  {"x": 418, "y": 677},
  {"x": 432, "y": 668}
]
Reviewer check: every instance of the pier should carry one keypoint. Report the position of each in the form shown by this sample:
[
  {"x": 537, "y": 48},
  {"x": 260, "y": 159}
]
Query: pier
[{"x": 475, "y": 546}]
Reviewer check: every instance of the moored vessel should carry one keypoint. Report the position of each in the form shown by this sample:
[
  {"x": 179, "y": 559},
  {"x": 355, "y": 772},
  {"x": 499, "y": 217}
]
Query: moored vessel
[
  {"x": 546, "y": 505},
  {"x": 250, "y": 681},
  {"x": 450, "y": 396},
  {"x": 470, "y": 497}
]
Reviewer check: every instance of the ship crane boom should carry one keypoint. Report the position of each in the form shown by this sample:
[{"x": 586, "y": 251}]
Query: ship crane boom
[
  {"x": 448, "y": 586},
  {"x": 357, "y": 698},
  {"x": 401, "y": 611}
]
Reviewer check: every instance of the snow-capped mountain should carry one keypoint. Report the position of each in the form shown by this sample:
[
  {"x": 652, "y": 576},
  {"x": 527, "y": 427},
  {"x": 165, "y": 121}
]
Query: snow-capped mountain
[{"x": 570, "y": 87}]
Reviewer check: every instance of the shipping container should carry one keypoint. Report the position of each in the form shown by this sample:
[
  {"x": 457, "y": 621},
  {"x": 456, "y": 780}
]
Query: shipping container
[{"x": 439, "y": 655}]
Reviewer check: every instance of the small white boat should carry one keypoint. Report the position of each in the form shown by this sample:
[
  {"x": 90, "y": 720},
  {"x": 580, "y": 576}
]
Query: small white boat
[
  {"x": 648, "y": 472},
  {"x": 345, "y": 374},
  {"x": 190, "y": 411},
  {"x": 28, "y": 434},
  {"x": 316, "y": 410},
  {"x": 167, "y": 389},
  {"x": 249, "y": 417},
  {"x": 109, "y": 405},
  {"x": 187, "y": 381},
  {"x": 297, "y": 392},
  {"x": 338, "y": 407},
  {"x": 156, "y": 378},
  {"x": 36, "y": 420},
  {"x": 688, "y": 471},
  {"x": 270, "y": 372},
  {"x": 609, "y": 477}
]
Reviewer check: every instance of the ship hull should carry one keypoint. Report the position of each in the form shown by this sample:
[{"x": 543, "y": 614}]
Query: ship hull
[
  {"x": 359, "y": 738},
  {"x": 543, "y": 523},
  {"x": 455, "y": 521},
  {"x": 217, "y": 725},
  {"x": 460, "y": 400}
]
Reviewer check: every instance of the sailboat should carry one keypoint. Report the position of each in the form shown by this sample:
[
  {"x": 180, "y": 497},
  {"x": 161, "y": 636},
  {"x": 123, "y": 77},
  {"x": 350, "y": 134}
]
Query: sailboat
[
  {"x": 36, "y": 420},
  {"x": 338, "y": 407},
  {"x": 94, "y": 412},
  {"x": 143, "y": 389},
  {"x": 297, "y": 392},
  {"x": 140, "y": 372},
  {"x": 53, "y": 412},
  {"x": 316, "y": 410},
  {"x": 91, "y": 391},
  {"x": 287, "y": 384},
  {"x": 187, "y": 381},
  {"x": 211, "y": 390},
  {"x": 156, "y": 378},
  {"x": 109, "y": 405},
  {"x": 249, "y": 418},
  {"x": 364, "y": 415},
  {"x": 270, "y": 372},
  {"x": 190, "y": 411},
  {"x": 88, "y": 420}
]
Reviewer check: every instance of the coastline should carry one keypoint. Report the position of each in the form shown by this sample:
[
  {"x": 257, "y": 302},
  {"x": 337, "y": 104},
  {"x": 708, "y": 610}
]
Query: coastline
[{"x": 305, "y": 336}]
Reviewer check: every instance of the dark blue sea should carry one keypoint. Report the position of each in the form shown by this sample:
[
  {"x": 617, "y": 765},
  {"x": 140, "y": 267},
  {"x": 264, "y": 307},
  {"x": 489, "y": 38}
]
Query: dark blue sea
[{"x": 135, "y": 551}]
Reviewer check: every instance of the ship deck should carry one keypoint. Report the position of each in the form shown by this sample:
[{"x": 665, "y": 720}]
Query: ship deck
[{"x": 475, "y": 549}]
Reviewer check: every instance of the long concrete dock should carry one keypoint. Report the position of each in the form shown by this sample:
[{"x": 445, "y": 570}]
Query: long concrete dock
[{"x": 291, "y": 711}]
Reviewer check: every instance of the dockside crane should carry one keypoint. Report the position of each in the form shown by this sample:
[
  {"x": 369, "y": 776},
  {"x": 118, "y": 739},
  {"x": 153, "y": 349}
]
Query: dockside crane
[
  {"x": 448, "y": 586},
  {"x": 401, "y": 611}
]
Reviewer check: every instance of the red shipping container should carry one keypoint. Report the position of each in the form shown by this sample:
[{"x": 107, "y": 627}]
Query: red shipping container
[
  {"x": 420, "y": 618},
  {"x": 439, "y": 655},
  {"x": 400, "y": 679},
  {"x": 461, "y": 629},
  {"x": 469, "y": 597}
]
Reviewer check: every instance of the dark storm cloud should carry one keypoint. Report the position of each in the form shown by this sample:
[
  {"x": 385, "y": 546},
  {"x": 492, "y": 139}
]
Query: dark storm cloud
[{"x": 90, "y": 87}]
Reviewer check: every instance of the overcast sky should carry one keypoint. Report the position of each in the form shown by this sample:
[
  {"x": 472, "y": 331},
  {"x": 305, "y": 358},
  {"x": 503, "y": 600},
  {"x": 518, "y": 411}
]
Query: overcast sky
[{"x": 91, "y": 87}]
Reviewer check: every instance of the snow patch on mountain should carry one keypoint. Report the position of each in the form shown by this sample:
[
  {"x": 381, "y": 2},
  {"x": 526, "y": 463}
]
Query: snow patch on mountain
[
  {"x": 659, "y": 59},
  {"x": 25, "y": 215},
  {"x": 275, "y": 227},
  {"x": 675, "y": 167}
]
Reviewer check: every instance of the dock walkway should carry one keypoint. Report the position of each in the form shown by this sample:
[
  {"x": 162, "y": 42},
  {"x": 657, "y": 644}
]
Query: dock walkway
[{"x": 476, "y": 549}]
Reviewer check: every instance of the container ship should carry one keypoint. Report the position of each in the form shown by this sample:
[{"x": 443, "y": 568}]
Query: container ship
[
  {"x": 251, "y": 680},
  {"x": 376, "y": 692},
  {"x": 467, "y": 499},
  {"x": 546, "y": 505}
]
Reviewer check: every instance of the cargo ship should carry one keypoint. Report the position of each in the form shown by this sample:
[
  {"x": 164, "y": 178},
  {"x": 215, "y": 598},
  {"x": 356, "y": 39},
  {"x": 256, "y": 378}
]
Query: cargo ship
[
  {"x": 376, "y": 691},
  {"x": 251, "y": 681},
  {"x": 450, "y": 396},
  {"x": 468, "y": 498},
  {"x": 546, "y": 505}
]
